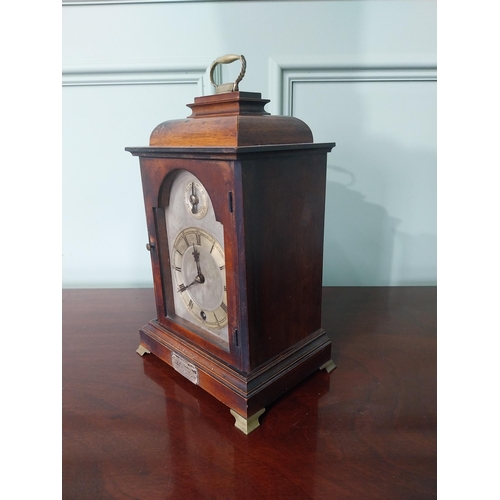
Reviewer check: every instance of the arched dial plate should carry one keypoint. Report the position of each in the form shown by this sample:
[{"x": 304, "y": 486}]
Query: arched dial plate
[{"x": 197, "y": 258}]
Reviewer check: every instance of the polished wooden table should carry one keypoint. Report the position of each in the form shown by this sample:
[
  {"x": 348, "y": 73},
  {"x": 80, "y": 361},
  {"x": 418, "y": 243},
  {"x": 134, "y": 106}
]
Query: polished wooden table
[{"x": 133, "y": 428}]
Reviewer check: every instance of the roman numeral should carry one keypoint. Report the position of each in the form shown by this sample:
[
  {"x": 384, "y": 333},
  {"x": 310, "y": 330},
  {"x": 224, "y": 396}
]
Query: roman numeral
[
  {"x": 222, "y": 267},
  {"x": 224, "y": 307},
  {"x": 182, "y": 288},
  {"x": 178, "y": 269},
  {"x": 190, "y": 305},
  {"x": 198, "y": 238}
]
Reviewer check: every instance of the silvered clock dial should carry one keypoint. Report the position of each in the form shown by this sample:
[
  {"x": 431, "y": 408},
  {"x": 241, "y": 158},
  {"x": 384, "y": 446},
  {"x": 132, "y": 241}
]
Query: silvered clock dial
[
  {"x": 196, "y": 246},
  {"x": 199, "y": 272}
]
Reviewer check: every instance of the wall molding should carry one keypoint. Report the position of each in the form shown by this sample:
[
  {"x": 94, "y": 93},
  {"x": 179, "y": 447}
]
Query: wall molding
[
  {"x": 72, "y": 3},
  {"x": 141, "y": 74},
  {"x": 285, "y": 72}
]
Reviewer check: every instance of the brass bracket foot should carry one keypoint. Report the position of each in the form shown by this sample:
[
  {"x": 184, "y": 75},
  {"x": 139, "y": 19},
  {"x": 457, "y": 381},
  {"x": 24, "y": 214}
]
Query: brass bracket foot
[
  {"x": 247, "y": 425},
  {"x": 328, "y": 366},
  {"x": 141, "y": 350}
]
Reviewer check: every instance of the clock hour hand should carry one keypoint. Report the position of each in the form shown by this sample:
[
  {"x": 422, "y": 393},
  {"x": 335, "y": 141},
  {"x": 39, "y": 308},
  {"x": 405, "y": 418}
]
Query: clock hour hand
[
  {"x": 199, "y": 279},
  {"x": 183, "y": 287}
]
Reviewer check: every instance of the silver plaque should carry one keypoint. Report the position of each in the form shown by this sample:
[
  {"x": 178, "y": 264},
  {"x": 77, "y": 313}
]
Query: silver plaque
[{"x": 185, "y": 368}]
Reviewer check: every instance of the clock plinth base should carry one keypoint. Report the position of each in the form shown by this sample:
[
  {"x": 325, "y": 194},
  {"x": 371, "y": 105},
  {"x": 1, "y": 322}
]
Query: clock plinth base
[
  {"x": 244, "y": 393},
  {"x": 141, "y": 350},
  {"x": 247, "y": 425},
  {"x": 328, "y": 366}
]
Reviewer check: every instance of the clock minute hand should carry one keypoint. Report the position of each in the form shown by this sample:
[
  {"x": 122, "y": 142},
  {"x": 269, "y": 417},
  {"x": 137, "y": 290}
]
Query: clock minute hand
[{"x": 199, "y": 278}]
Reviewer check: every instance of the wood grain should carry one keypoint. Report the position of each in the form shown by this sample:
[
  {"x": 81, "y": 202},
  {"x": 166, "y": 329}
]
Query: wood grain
[
  {"x": 230, "y": 119},
  {"x": 135, "y": 428}
]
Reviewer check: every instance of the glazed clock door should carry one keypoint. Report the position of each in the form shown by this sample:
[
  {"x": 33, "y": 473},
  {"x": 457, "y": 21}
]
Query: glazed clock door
[{"x": 197, "y": 259}]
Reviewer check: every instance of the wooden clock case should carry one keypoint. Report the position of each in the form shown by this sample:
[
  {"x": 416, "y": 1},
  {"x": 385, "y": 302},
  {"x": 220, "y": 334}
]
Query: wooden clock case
[{"x": 266, "y": 180}]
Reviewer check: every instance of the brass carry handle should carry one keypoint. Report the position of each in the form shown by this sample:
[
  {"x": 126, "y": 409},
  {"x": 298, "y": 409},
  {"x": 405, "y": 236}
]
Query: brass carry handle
[{"x": 228, "y": 87}]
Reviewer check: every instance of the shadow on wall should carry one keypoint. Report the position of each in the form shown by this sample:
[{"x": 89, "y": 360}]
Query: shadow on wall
[
  {"x": 363, "y": 245},
  {"x": 358, "y": 245}
]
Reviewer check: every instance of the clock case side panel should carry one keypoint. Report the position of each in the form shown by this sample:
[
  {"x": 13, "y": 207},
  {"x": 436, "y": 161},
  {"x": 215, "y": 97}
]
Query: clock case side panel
[
  {"x": 284, "y": 205},
  {"x": 158, "y": 175},
  {"x": 153, "y": 175}
]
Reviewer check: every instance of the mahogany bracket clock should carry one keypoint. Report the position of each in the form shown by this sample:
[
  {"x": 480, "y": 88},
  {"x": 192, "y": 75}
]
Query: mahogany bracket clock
[{"x": 235, "y": 202}]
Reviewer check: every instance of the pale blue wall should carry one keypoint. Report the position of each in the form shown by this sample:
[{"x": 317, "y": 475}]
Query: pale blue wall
[{"x": 362, "y": 74}]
